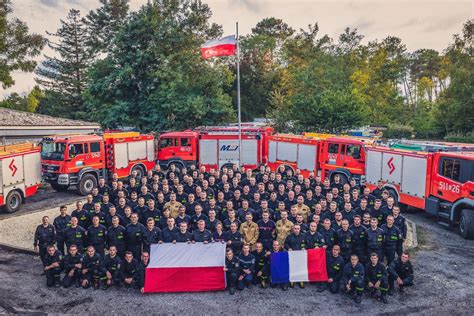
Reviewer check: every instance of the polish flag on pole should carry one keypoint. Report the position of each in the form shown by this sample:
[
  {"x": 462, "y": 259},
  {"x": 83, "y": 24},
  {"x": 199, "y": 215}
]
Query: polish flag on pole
[
  {"x": 186, "y": 267},
  {"x": 226, "y": 46},
  {"x": 298, "y": 266}
]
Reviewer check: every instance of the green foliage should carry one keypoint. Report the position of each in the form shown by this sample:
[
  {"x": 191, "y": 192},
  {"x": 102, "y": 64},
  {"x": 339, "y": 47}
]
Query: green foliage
[
  {"x": 157, "y": 80},
  {"x": 18, "y": 47},
  {"x": 27, "y": 103},
  {"x": 398, "y": 131},
  {"x": 66, "y": 73},
  {"x": 460, "y": 138}
]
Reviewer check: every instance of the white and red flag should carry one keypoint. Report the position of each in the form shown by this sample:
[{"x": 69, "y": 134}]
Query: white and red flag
[
  {"x": 186, "y": 267},
  {"x": 226, "y": 46}
]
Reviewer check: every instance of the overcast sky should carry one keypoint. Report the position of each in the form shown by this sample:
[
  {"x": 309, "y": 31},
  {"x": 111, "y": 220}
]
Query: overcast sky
[{"x": 419, "y": 23}]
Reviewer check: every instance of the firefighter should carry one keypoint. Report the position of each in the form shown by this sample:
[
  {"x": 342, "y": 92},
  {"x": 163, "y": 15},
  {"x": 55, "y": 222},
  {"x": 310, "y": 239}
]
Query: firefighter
[
  {"x": 202, "y": 234},
  {"x": 113, "y": 266},
  {"x": 360, "y": 239},
  {"x": 44, "y": 236},
  {"x": 283, "y": 228},
  {"x": 232, "y": 270},
  {"x": 353, "y": 278},
  {"x": 345, "y": 239},
  {"x": 75, "y": 235},
  {"x": 376, "y": 277},
  {"x": 129, "y": 270},
  {"x": 247, "y": 268},
  {"x": 168, "y": 234},
  {"x": 53, "y": 265},
  {"x": 266, "y": 229},
  {"x": 60, "y": 223},
  {"x": 93, "y": 269},
  {"x": 234, "y": 239},
  {"x": 96, "y": 235},
  {"x": 401, "y": 272},
  {"x": 313, "y": 239},
  {"x": 262, "y": 265},
  {"x": 375, "y": 238},
  {"x": 400, "y": 222},
  {"x": 249, "y": 231},
  {"x": 116, "y": 237},
  {"x": 334, "y": 267},
  {"x": 151, "y": 235},
  {"x": 72, "y": 267},
  {"x": 140, "y": 276},
  {"x": 329, "y": 234},
  {"x": 134, "y": 233},
  {"x": 302, "y": 208},
  {"x": 183, "y": 234},
  {"x": 392, "y": 239}
]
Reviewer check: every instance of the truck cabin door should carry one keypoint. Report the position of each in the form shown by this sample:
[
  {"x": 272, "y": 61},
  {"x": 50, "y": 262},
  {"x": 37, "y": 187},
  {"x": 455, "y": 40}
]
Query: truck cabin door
[
  {"x": 94, "y": 156},
  {"x": 335, "y": 155},
  {"x": 76, "y": 156},
  {"x": 168, "y": 148},
  {"x": 353, "y": 158},
  {"x": 454, "y": 179},
  {"x": 186, "y": 150}
]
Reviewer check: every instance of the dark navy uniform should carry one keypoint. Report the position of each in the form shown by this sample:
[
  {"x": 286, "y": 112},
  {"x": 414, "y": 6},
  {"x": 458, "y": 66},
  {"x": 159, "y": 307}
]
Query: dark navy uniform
[
  {"x": 377, "y": 273},
  {"x": 330, "y": 237},
  {"x": 151, "y": 237},
  {"x": 130, "y": 270},
  {"x": 95, "y": 269},
  {"x": 392, "y": 240},
  {"x": 134, "y": 238},
  {"x": 375, "y": 240},
  {"x": 246, "y": 262},
  {"x": 334, "y": 267},
  {"x": 236, "y": 239},
  {"x": 357, "y": 277},
  {"x": 169, "y": 235},
  {"x": 186, "y": 237},
  {"x": 398, "y": 269},
  {"x": 314, "y": 240},
  {"x": 202, "y": 236},
  {"x": 262, "y": 264},
  {"x": 75, "y": 236},
  {"x": 359, "y": 242},
  {"x": 114, "y": 266},
  {"x": 96, "y": 236},
  {"x": 345, "y": 240},
  {"x": 232, "y": 273},
  {"x": 60, "y": 224},
  {"x": 83, "y": 217},
  {"x": 295, "y": 242},
  {"x": 116, "y": 237},
  {"x": 53, "y": 275},
  {"x": 44, "y": 236},
  {"x": 70, "y": 265}
]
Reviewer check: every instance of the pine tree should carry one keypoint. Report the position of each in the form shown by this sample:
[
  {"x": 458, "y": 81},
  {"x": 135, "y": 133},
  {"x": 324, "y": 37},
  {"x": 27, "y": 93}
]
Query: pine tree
[
  {"x": 66, "y": 73},
  {"x": 104, "y": 23}
]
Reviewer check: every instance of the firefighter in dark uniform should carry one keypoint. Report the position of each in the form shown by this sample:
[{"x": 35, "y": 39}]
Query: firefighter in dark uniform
[
  {"x": 295, "y": 240},
  {"x": 140, "y": 276},
  {"x": 334, "y": 267},
  {"x": 329, "y": 234},
  {"x": 376, "y": 277},
  {"x": 134, "y": 233},
  {"x": 360, "y": 239},
  {"x": 129, "y": 270},
  {"x": 82, "y": 215},
  {"x": 392, "y": 239},
  {"x": 233, "y": 238},
  {"x": 401, "y": 272},
  {"x": 247, "y": 268},
  {"x": 96, "y": 235},
  {"x": 262, "y": 265},
  {"x": 113, "y": 266},
  {"x": 345, "y": 239},
  {"x": 116, "y": 237},
  {"x": 60, "y": 223},
  {"x": 53, "y": 265},
  {"x": 72, "y": 267},
  {"x": 375, "y": 238},
  {"x": 151, "y": 235},
  {"x": 232, "y": 270},
  {"x": 93, "y": 269},
  {"x": 44, "y": 236},
  {"x": 183, "y": 234},
  {"x": 75, "y": 235},
  {"x": 353, "y": 278},
  {"x": 201, "y": 234},
  {"x": 400, "y": 222},
  {"x": 266, "y": 231},
  {"x": 313, "y": 239}
]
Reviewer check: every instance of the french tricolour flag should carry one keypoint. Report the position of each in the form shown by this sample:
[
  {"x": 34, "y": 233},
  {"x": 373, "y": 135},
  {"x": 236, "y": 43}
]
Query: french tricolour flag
[
  {"x": 299, "y": 266},
  {"x": 226, "y": 46},
  {"x": 186, "y": 267}
]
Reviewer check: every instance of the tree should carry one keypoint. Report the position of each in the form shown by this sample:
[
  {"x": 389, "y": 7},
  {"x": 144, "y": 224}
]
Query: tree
[
  {"x": 18, "y": 47},
  {"x": 27, "y": 103},
  {"x": 156, "y": 80},
  {"x": 66, "y": 73},
  {"x": 104, "y": 23}
]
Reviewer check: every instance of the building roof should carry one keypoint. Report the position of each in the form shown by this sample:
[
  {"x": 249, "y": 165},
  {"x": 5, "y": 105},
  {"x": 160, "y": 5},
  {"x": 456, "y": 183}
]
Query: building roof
[{"x": 14, "y": 118}]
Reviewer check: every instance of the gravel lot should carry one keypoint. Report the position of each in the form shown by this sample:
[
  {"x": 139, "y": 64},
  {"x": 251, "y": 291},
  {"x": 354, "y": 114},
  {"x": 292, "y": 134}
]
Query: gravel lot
[{"x": 443, "y": 276}]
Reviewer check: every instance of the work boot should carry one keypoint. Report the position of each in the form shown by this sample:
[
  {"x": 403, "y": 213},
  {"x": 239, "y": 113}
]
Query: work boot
[
  {"x": 231, "y": 291},
  {"x": 292, "y": 285},
  {"x": 401, "y": 290},
  {"x": 321, "y": 289},
  {"x": 358, "y": 299},
  {"x": 384, "y": 299},
  {"x": 264, "y": 284},
  {"x": 105, "y": 286},
  {"x": 284, "y": 287},
  {"x": 372, "y": 292},
  {"x": 57, "y": 282},
  {"x": 391, "y": 292},
  {"x": 301, "y": 284}
]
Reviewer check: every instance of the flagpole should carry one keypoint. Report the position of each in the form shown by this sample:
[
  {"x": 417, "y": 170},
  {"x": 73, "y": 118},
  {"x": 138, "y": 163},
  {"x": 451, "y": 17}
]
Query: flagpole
[{"x": 238, "y": 93}]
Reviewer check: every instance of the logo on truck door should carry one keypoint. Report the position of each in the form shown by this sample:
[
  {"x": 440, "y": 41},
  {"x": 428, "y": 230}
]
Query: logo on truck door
[
  {"x": 12, "y": 167},
  {"x": 229, "y": 147},
  {"x": 391, "y": 165}
]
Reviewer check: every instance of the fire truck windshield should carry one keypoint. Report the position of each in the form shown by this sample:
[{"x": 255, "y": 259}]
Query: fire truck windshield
[{"x": 53, "y": 150}]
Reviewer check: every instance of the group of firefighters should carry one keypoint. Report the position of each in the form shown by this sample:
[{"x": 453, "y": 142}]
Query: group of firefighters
[{"x": 108, "y": 237}]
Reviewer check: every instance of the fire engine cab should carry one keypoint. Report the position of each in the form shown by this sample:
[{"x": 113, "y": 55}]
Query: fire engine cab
[
  {"x": 215, "y": 147},
  {"x": 324, "y": 154},
  {"x": 442, "y": 183},
  {"x": 80, "y": 160}
]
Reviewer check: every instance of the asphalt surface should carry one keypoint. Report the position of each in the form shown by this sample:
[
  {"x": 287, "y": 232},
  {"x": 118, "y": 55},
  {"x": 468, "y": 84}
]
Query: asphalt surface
[{"x": 443, "y": 277}]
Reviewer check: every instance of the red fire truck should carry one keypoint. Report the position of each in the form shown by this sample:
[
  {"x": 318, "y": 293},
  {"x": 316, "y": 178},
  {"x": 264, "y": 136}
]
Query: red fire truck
[
  {"x": 442, "y": 183},
  {"x": 80, "y": 160},
  {"x": 20, "y": 174},
  {"x": 323, "y": 154},
  {"x": 215, "y": 147}
]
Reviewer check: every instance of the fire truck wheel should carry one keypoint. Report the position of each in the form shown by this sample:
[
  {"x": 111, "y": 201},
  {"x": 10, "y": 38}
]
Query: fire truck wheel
[
  {"x": 87, "y": 183},
  {"x": 13, "y": 202},
  {"x": 466, "y": 224},
  {"x": 342, "y": 177},
  {"x": 139, "y": 170}
]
